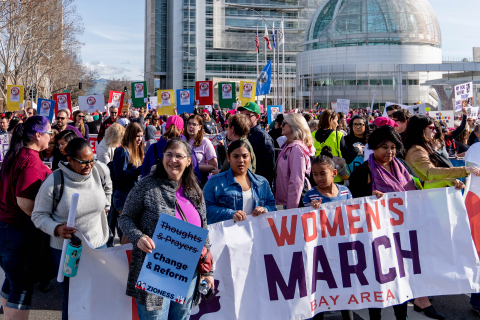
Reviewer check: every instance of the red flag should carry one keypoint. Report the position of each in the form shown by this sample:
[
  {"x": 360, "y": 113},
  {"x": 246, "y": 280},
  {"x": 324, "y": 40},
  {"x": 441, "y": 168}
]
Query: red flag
[
  {"x": 257, "y": 43},
  {"x": 204, "y": 92},
  {"x": 116, "y": 98},
  {"x": 266, "y": 38},
  {"x": 63, "y": 101}
]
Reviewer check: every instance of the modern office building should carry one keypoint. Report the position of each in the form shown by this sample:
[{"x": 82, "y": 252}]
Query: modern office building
[
  {"x": 353, "y": 49},
  {"x": 188, "y": 40}
]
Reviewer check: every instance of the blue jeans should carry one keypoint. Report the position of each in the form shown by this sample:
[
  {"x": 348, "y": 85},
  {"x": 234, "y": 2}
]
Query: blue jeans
[
  {"x": 119, "y": 198},
  {"x": 170, "y": 309},
  {"x": 65, "y": 285},
  {"x": 475, "y": 301},
  {"x": 17, "y": 288}
]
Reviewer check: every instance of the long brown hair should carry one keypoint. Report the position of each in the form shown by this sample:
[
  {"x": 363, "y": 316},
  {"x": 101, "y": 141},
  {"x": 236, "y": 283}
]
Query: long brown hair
[
  {"x": 324, "y": 119},
  {"x": 128, "y": 142},
  {"x": 172, "y": 132},
  {"x": 82, "y": 126},
  {"x": 199, "y": 137}
]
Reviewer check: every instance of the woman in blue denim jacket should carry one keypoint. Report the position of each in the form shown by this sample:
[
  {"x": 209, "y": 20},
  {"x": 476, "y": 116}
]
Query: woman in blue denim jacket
[{"x": 237, "y": 192}]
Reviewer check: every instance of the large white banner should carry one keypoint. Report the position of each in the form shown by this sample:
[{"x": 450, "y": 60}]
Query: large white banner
[
  {"x": 352, "y": 254},
  {"x": 91, "y": 104}
]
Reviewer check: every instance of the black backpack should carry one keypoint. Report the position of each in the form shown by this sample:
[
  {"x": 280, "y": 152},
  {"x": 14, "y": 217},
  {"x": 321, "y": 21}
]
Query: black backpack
[{"x": 58, "y": 184}]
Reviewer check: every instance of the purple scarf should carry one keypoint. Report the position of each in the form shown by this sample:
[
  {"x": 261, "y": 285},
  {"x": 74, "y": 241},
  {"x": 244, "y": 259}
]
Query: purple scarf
[{"x": 384, "y": 181}]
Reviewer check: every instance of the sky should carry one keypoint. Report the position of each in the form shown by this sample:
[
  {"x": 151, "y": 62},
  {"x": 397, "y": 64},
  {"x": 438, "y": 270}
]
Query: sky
[{"x": 114, "y": 33}]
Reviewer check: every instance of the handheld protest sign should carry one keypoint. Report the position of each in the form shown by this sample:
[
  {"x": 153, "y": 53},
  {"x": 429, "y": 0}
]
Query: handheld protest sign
[
  {"x": 45, "y": 108},
  {"x": 169, "y": 269},
  {"x": 14, "y": 97}
]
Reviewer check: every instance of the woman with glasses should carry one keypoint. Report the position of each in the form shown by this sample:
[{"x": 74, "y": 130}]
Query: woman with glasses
[
  {"x": 172, "y": 189},
  {"x": 78, "y": 118},
  {"x": 293, "y": 163},
  {"x": 92, "y": 182},
  {"x": 358, "y": 132},
  {"x": 21, "y": 175},
  {"x": 31, "y": 112},
  {"x": 209, "y": 124},
  {"x": 155, "y": 122},
  {"x": 203, "y": 148}
]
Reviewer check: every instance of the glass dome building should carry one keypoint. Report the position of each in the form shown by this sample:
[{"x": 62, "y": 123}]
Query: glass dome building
[{"x": 352, "y": 49}]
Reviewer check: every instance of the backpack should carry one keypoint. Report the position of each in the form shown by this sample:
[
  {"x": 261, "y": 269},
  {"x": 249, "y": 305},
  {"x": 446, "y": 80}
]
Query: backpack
[{"x": 58, "y": 184}]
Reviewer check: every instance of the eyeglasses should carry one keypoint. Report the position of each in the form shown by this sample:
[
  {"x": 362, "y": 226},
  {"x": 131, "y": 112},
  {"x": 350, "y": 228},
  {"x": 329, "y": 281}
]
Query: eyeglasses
[
  {"x": 80, "y": 116},
  {"x": 192, "y": 124},
  {"x": 49, "y": 132},
  {"x": 30, "y": 112},
  {"x": 170, "y": 156},
  {"x": 431, "y": 128},
  {"x": 61, "y": 118},
  {"x": 358, "y": 125},
  {"x": 203, "y": 115},
  {"x": 85, "y": 162}
]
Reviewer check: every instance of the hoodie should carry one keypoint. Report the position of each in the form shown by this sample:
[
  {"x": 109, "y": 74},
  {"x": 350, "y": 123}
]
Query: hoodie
[
  {"x": 150, "y": 137},
  {"x": 349, "y": 155},
  {"x": 293, "y": 169}
]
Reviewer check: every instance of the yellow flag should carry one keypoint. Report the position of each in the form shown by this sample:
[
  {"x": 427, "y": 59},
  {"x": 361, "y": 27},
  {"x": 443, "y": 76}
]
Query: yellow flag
[
  {"x": 14, "y": 97},
  {"x": 248, "y": 88},
  {"x": 166, "y": 102}
]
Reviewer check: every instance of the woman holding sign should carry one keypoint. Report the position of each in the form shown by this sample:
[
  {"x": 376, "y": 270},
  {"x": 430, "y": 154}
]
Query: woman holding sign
[{"x": 172, "y": 189}]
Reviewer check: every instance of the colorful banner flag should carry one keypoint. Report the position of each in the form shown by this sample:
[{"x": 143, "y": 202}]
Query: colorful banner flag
[
  {"x": 91, "y": 104},
  {"x": 46, "y": 108},
  {"x": 14, "y": 97},
  {"x": 139, "y": 94},
  {"x": 63, "y": 101},
  {"x": 264, "y": 80},
  {"x": 204, "y": 92},
  {"x": 227, "y": 95},
  {"x": 247, "y": 91},
  {"x": 166, "y": 105},
  {"x": 185, "y": 101}
]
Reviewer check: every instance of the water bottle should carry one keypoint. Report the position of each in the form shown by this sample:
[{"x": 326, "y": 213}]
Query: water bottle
[
  {"x": 203, "y": 287},
  {"x": 219, "y": 137},
  {"x": 72, "y": 257}
]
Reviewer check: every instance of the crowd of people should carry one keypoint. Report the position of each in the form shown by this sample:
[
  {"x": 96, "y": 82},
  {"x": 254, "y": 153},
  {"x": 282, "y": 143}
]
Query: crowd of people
[{"x": 203, "y": 168}]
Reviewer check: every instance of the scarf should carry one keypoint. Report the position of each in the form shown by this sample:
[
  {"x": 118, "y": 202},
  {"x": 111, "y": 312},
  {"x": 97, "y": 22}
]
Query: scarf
[{"x": 384, "y": 181}]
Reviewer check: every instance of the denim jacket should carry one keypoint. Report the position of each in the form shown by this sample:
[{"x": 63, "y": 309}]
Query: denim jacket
[{"x": 223, "y": 195}]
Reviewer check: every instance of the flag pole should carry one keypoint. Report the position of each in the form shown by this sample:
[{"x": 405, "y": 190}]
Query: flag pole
[
  {"x": 256, "y": 49},
  {"x": 278, "y": 69},
  {"x": 274, "y": 47},
  {"x": 283, "y": 61}
]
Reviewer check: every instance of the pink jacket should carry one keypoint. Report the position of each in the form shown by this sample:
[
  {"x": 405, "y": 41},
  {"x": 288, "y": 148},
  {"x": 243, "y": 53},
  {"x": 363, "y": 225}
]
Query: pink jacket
[{"x": 293, "y": 165}]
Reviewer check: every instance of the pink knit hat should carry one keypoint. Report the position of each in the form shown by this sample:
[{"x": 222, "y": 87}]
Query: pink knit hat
[{"x": 176, "y": 120}]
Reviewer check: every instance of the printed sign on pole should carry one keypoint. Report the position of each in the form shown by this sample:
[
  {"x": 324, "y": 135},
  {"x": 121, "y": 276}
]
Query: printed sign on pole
[
  {"x": 14, "y": 97},
  {"x": 90, "y": 104},
  {"x": 166, "y": 104},
  {"x": 4, "y": 145},
  {"x": 204, "y": 92},
  {"x": 63, "y": 101},
  {"x": 463, "y": 96},
  {"x": 46, "y": 108},
  {"x": 139, "y": 94},
  {"x": 247, "y": 91},
  {"x": 227, "y": 94},
  {"x": 472, "y": 112},
  {"x": 272, "y": 112},
  {"x": 185, "y": 101},
  {"x": 334, "y": 106},
  {"x": 169, "y": 269},
  {"x": 116, "y": 99},
  {"x": 343, "y": 105}
]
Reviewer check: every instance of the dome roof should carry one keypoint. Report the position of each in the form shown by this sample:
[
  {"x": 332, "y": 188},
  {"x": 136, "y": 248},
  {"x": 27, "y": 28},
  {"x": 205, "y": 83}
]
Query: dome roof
[{"x": 341, "y": 23}]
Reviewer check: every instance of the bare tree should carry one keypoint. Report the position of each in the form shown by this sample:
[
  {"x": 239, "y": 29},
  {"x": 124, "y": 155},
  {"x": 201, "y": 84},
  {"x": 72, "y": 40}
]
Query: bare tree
[{"x": 118, "y": 84}]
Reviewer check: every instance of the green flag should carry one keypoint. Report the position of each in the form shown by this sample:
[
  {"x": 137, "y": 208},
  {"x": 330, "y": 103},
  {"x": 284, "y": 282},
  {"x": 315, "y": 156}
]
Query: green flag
[
  {"x": 227, "y": 95},
  {"x": 139, "y": 94}
]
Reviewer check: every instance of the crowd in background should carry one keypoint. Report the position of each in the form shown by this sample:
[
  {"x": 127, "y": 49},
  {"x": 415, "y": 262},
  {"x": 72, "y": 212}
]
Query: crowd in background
[{"x": 205, "y": 167}]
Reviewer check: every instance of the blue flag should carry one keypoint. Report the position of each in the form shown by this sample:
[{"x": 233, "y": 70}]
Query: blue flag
[{"x": 264, "y": 80}]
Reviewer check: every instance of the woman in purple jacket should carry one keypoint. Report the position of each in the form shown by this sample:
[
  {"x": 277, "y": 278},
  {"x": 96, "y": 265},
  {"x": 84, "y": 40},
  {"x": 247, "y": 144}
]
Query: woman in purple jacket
[{"x": 293, "y": 163}]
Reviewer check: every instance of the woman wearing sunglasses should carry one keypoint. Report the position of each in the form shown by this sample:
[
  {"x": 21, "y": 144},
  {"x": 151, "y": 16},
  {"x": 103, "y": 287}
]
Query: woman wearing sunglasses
[
  {"x": 92, "y": 182},
  {"x": 78, "y": 118}
]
